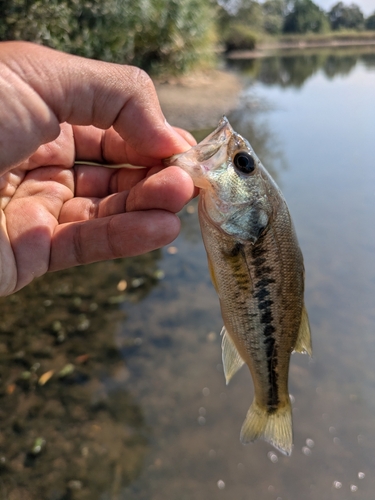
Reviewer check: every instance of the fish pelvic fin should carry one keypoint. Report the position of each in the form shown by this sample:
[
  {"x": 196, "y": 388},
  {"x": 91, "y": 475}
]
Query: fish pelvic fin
[
  {"x": 275, "y": 427},
  {"x": 303, "y": 343},
  {"x": 232, "y": 360}
]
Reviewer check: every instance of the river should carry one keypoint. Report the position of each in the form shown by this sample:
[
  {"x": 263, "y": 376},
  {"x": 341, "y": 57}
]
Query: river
[{"x": 142, "y": 410}]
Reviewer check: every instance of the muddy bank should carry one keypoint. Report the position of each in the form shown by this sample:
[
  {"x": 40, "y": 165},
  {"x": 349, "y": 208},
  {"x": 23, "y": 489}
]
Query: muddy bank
[{"x": 198, "y": 101}]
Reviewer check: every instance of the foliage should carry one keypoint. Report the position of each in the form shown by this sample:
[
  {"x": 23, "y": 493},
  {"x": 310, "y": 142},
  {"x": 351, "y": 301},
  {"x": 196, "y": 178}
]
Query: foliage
[
  {"x": 251, "y": 18},
  {"x": 238, "y": 28},
  {"x": 38, "y": 21},
  {"x": 240, "y": 38},
  {"x": 251, "y": 15},
  {"x": 346, "y": 17},
  {"x": 370, "y": 22},
  {"x": 275, "y": 16},
  {"x": 304, "y": 17},
  {"x": 149, "y": 33},
  {"x": 274, "y": 12}
]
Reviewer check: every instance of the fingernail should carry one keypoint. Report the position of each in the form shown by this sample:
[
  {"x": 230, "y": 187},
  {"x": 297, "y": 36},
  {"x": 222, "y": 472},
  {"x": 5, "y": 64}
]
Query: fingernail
[{"x": 190, "y": 139}]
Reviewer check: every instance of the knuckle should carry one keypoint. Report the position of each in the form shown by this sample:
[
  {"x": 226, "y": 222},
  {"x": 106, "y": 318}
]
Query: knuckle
[
  {"x": 115, "y": 249},
  {"x": 141, "y": 80}
]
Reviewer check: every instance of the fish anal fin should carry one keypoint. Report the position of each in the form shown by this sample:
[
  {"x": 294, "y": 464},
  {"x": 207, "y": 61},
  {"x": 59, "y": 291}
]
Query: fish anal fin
[
  {"x": 232, "y": 360},
  {"x": 275, "y": 427},
  {"x": 303, "y": 343}
]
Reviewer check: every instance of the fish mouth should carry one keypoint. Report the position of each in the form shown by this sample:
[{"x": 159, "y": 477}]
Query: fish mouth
[{"x": 205, "y": 156}]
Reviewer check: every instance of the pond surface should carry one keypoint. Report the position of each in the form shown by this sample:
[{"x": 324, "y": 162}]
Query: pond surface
[{"x": 136, "y": 406}]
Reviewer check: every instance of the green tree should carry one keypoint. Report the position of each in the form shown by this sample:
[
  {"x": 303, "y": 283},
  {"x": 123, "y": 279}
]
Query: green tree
[
  {"x": 346, "y": 17},
  {"x": 274, "y": 12},
  {"x": 305, "y": 17},
  {"x": 370, "y": 22},
  {"x": 250, "y": 13}
]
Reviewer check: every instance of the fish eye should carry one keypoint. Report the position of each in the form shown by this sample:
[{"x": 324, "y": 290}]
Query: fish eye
[{"x": 244, "y": 162}]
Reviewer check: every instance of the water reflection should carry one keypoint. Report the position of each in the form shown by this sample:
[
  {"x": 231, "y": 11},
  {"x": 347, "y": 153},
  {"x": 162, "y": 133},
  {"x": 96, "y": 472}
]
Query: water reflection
[
  {"x": 254, "y": 126},
  {"x": 293, "y": 69},
  {"x": 195, "y": 418},
  {"x": 69, "y": 427},
  {"x": 111, "y": 379}
]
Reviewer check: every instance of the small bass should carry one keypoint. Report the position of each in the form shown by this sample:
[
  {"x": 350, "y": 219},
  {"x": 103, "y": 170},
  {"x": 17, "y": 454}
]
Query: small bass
[{"x": 257, "y": 269}]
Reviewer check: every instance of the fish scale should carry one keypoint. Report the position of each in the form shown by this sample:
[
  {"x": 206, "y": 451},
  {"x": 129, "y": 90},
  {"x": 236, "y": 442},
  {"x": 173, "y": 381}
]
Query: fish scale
[{"x": 257, "y": 269}]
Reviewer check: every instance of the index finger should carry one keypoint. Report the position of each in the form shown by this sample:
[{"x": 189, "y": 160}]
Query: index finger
[
  {"x": 46, "y": 87},
  {"x": 107, "y": 146}
]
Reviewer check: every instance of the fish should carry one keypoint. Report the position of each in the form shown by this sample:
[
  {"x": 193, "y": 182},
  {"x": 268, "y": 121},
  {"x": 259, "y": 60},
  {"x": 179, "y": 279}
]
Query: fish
[{"x": 257, "y": 270}]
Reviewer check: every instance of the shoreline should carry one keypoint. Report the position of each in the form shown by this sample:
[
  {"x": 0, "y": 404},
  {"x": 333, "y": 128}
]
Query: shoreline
[
  {"x": 197, "y": 101},
  {"x": 266, "y": 48}
]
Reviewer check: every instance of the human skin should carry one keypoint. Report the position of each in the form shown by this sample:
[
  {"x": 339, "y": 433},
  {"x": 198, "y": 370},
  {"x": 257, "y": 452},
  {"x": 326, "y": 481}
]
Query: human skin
[{"x": 57, "y": 109}]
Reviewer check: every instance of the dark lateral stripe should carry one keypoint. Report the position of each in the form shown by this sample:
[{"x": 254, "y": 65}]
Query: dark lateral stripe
[
  {"x": 264, "y": 282},
  {"x": 234, "y": 257},
  {"x": 261, "y": 292},
  {"x": 238, "y": 247}
]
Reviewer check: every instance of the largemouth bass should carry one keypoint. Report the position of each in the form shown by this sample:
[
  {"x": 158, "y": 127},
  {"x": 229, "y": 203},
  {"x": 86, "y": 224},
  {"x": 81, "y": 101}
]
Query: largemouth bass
[{"x": 257, "y": 269}]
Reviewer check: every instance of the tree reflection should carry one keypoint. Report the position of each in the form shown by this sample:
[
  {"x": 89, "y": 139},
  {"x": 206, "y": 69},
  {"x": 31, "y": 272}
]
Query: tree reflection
[
  {"x": 293, "y": 68},
  {"x": 253, "y": 125},
  {"x": 69, "y": 427},
  {"x": 334, "y": 65},
  {"x": 368, "y": 60},
  {"x": 283, "y": 70}
]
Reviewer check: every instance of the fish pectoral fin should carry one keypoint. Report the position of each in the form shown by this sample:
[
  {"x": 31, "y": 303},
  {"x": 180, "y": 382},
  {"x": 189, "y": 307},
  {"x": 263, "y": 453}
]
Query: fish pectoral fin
[
  {"x": 212, "y": 274},
  {"x": 303, "y": 343},
  {"x": 275, "y": 427},
  {"x": 232, "y": 360}
]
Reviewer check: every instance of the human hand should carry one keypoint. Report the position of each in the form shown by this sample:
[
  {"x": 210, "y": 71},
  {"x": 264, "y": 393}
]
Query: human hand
[{"x": 57, "y": 109}]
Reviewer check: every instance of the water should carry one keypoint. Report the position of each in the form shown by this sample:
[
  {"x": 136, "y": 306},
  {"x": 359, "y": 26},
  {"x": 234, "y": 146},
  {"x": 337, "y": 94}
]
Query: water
[{"x": 146, "y": 413}]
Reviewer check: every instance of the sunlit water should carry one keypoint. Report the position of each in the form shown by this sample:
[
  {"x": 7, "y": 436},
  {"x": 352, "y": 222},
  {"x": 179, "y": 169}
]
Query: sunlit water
[
  {"x": 320, "y": 139},
  {"x": 148, "y": 415}
]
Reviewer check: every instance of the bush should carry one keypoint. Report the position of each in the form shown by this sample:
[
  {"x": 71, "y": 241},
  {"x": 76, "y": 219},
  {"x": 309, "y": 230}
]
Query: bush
[
  {"x": 153, "y": 34},
  {"x": 239, "y": 37}
]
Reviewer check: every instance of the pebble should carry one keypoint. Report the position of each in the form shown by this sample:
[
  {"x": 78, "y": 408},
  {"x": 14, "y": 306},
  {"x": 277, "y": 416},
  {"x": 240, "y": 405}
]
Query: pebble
[
  {"x": 172, "y": 250},
  {"x": 273, "y": 457},
  {"x": 220, "y": 484}
]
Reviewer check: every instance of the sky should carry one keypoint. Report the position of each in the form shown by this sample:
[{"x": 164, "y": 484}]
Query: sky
[{"x": 366, "y": 6}]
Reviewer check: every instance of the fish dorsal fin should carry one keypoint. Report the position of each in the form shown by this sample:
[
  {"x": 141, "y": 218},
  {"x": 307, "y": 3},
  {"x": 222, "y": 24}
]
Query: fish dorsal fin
[
  {"x": 232, "y": 360},
  {"x": 303, "y": 344}
]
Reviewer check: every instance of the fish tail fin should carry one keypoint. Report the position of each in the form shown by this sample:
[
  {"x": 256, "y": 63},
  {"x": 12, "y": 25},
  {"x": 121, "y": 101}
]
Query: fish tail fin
[{"x": 275, "y": 428}]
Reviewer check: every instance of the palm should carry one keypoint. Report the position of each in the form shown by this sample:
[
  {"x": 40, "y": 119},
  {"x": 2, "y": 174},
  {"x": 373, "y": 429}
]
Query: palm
[{"x": 56, "y": 216}]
